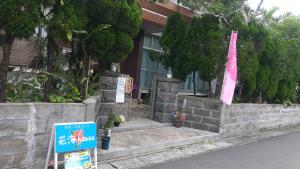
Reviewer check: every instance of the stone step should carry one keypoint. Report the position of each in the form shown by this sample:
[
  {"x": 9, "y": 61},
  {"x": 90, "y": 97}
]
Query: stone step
[
  {"x": 137, "y": 142},
  {"x": 137, "y": 124}
]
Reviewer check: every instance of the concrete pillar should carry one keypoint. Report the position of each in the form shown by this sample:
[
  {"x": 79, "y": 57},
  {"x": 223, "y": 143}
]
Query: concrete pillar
[{"x": 164, "y": 98}]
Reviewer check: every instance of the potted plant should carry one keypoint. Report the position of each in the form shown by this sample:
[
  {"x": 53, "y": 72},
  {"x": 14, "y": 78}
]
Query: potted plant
[
  {"x": 178, "y": 119},
  {"x": 106, "y": 139},
  {"x": 117, "y": 121}
]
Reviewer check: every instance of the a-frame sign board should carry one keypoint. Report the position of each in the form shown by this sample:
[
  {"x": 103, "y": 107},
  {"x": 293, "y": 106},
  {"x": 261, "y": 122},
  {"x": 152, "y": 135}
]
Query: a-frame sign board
[{"x": 74, "y": 140}]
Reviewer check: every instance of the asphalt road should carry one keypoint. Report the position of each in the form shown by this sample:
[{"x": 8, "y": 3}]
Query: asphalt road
[{"x": 281, "y": 152}]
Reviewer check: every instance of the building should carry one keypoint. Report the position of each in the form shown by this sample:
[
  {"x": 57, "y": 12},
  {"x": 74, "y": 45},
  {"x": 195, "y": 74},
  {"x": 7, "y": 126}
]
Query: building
[{"x": 138, "y": 64}]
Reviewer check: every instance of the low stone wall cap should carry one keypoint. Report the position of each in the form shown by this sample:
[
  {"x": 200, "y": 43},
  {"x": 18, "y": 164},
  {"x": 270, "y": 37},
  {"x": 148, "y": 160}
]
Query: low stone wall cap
[
  {"x": 160, "y": 79},
  {"x": 203, "y": 99},
  {"x": 110, "y": 74}
]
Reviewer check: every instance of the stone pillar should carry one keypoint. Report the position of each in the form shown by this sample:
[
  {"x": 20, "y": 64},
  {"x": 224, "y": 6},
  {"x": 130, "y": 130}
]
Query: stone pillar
[
  {"x": 164, "y": 99},
  {"x": 107, "y": 92}
]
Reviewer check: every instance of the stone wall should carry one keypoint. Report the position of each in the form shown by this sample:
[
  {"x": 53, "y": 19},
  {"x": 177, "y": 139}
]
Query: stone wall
[
  {"x": 201, "y": 113},
  {"x": 164, "y": 99},
  {"x": 244, "y": 118},
  {"x": 212, "y": 115},
  {"x": 137, "y": 110},
  {"x": 107, "y": 92},
  {"x": 25, "y": 130}
]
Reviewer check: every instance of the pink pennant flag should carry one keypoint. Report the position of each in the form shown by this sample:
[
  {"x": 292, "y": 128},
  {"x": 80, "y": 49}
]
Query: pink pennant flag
[{"x": 230, "y": 75}]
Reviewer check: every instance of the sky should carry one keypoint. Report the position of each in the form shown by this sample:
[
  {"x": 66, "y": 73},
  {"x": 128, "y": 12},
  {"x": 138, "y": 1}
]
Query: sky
[{"x": 283, "y": 5}]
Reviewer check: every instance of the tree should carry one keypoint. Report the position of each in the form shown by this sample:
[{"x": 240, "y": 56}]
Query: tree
[
  {"x": 205, "y": 44},
  {"x": 194, "y": 43},
  {"x": 249, "y": 48},
  {"x": 113, "y": 24},
  {"x": 269, "y": 56},
  {"x": 99, "y": 30},
  {"x": 287, "y": 34},
  {"x": 63, "y": 18},
  {"x": 173, "y": 44},
  {"x": 18, "y": 19},
  {"x": 213, "y": 49}
]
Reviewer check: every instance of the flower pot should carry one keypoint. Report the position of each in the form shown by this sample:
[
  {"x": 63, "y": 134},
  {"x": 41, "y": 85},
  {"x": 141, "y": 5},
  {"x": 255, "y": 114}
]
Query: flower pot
[
  {"x": 178, "y": 123},
  {"x": 105, "y": 143},
  {"x": 117, "y": 124},
  {"x": 113, "y": 67}
]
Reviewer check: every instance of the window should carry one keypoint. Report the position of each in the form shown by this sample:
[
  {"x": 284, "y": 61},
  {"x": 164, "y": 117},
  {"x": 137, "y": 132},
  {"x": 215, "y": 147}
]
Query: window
[{"x": 151, "y": 69}]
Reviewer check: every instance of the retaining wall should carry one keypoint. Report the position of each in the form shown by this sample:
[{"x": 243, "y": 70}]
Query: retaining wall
[
  {"x": 244, "y": 118},
  {"x": 25, "y": 130},
  {"x": 211, "y": 115},
  {"x": 201, "y": 113}
]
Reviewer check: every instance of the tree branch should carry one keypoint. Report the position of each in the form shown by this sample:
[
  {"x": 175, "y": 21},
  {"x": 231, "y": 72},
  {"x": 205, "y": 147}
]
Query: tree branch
[{"x": 258, "y": 7}]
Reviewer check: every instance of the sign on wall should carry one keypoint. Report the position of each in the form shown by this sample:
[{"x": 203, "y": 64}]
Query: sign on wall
[{"x": 120, "y": 95}]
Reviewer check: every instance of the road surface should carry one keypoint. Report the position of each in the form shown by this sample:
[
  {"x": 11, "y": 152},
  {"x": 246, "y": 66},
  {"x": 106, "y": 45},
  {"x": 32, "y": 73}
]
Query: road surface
[{"x": 281, "y": 152}]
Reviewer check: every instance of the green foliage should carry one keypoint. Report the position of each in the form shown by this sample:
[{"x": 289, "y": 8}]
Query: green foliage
[
  {"x": 270, "y": 93},
  {"x": 110, "y": 123},
  {"x": 26, "y": 89},
  {"x": 220, "y": 7},
  {"x": 268, "y": 54},
  {"x": 109, "y": 45},
  {"x": 173, "y": 43},
  {"x": 113, "y": 43},
  {"x": 18, "y": 19},
  {"x": 282, "y": 93},
  {"x": 249, "y": 88},
  {"x": 67, "y": 93},
  {"x": 195, "y": 41},
  {"x": 286, "y": 90},
  {"x": 251, "y": 40},
  {"x": 31, "y": 90},
  {"x": 196, "y": 48},
  {"x": 262, "y": 79},
  {"x": 211, "y": 49},
  {"x": 65, "y": 18}
]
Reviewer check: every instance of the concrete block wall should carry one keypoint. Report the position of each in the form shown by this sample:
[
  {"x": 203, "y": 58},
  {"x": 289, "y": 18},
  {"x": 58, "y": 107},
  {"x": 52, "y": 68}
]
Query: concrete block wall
[
  {"x": 165, "y": 99},
  {"x": 243, "y": 118},
  {"x": 202, "y": 113},
  {"x": 211, "y": 115},
  {"x": 25, "y": 130}
]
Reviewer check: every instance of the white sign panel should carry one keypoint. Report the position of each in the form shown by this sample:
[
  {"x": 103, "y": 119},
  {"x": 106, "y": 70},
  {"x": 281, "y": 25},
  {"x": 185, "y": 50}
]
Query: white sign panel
[{"x": 120, "y": 95}]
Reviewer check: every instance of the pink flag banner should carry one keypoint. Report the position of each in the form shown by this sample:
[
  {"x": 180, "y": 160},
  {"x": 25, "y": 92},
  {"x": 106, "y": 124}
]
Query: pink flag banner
[{"x": 230, "y": 75}]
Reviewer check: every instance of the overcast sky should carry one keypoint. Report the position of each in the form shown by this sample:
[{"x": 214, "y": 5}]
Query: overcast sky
[{"x": 283, "y": 5}]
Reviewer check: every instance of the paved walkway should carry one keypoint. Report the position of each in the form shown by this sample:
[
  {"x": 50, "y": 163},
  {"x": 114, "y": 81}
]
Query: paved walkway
[
  {"x": 184, "y": 152},
  {"x": 149, "y": 140},
  {"x": 281, "y": 152}
]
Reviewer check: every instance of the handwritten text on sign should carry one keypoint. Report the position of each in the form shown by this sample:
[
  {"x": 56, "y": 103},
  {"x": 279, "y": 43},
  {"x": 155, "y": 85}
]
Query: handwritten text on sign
[{"x": 120, "y": 95}]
